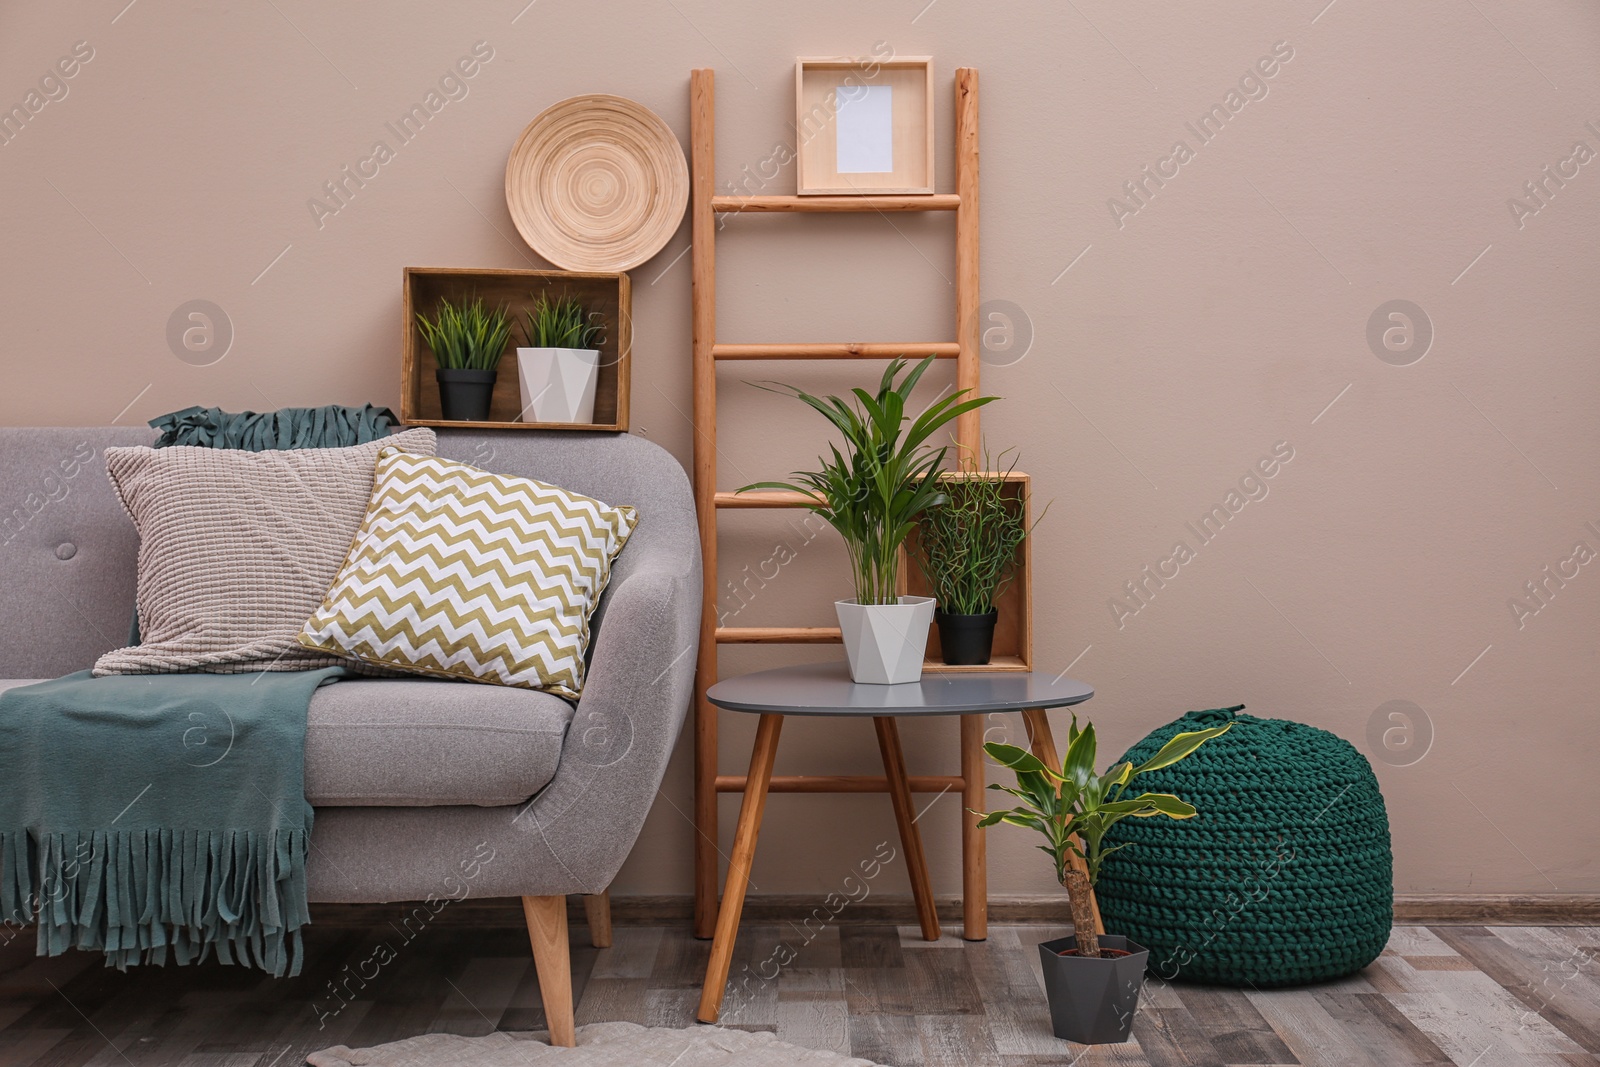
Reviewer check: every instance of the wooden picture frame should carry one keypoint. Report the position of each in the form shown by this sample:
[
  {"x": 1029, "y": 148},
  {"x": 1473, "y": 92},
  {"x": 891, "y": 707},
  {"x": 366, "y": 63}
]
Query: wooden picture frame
[
  {"x": 876, "y": 113},
  {"x": 606, "y": 294}
]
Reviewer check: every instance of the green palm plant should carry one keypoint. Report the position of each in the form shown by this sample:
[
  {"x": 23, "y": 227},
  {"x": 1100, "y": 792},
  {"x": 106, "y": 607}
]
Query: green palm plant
[
  {"x": 559, "y": 323},
  {"x": 873, "y": 491},
  {"x": 1074, "y": 807},
  {"x": 466, "y": 336}
]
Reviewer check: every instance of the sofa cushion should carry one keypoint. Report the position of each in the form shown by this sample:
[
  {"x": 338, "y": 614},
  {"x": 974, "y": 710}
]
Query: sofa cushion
[
  {"x": 237, "y": 548},
  {"x": 464, "y": 573},
  {"x": 416, "y": 742}
]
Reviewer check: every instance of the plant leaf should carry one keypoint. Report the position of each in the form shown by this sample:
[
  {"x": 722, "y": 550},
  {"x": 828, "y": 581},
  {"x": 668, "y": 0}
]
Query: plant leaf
[
  {"x": 1180, "y": 747},
  {"x": 1018, "y": 759},
  {"x": 1078, "y": 765},
  {"x": 1162, "y": 804}
]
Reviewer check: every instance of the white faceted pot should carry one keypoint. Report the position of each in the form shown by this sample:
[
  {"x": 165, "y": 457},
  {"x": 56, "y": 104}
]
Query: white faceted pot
[
  {"x": 558, "y": 383},
  {"x": 886, "y": 643}
]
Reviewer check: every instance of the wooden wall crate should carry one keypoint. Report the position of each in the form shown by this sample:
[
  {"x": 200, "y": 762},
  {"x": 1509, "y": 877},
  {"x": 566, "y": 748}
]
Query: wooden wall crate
[
  {"x": 605, "y": 294},
  {"x": 1013, "y": 632}
]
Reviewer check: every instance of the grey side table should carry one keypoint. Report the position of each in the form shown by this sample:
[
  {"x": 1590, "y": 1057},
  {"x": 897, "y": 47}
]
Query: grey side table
[{"x": 826, "y": 689}]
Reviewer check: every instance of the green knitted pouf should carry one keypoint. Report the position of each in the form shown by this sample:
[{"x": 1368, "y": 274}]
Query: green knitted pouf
[{"x": 1284, "y": 876}]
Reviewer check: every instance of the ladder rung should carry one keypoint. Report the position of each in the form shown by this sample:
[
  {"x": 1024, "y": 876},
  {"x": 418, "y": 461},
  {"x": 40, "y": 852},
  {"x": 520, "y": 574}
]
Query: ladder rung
[
  {"x": 901, "y": 202},
  {"x": 841, "y": 783},
  {"x": 839, "y": 350},
  {"x": 778, "y": 635},
  {"x": 773, "y": 499}
]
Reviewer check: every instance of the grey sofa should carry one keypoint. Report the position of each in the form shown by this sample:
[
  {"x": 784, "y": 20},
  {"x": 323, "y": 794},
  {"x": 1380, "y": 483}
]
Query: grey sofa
[{"x": 424, "y": 790}]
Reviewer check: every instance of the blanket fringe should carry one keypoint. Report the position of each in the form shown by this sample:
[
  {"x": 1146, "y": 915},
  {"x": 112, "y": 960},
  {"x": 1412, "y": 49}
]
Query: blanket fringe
[{"x": 138, "y": 895}]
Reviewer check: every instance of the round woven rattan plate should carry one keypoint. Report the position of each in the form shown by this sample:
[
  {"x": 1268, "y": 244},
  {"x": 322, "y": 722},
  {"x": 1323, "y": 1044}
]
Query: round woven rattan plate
[{"x": 597, "y": 183}]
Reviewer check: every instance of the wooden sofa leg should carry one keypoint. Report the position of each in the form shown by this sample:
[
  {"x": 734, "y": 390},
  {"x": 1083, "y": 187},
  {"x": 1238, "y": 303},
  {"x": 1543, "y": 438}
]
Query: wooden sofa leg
[
  {"x": 547, "y": 932},
  {"x": 597, "y": 910}
]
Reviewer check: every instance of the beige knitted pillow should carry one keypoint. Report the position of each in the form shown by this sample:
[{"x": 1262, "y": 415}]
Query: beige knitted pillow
[{"x": 237, "y": 548}]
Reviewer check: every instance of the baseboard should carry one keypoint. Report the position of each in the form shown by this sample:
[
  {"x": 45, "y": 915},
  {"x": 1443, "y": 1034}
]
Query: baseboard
[
  {"x": 1411, "y": 909},
  {"x": 1549, "y": 909}
]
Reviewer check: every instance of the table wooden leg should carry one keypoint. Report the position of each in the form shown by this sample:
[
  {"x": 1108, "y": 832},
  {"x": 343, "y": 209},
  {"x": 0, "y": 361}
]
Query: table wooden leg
[
  {"x": 974, "y": 857},
  {"x": 744, "y": 851},
  {"x": 1043, "y": 743},
  {"x": 905, "y": 816}
]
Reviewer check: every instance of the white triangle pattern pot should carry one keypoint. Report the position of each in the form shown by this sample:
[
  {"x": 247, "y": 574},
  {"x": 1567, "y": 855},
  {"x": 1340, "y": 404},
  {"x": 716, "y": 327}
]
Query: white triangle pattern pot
[
  {"x": 558, "y": 383},
  {"x": 886, "y": 643}
]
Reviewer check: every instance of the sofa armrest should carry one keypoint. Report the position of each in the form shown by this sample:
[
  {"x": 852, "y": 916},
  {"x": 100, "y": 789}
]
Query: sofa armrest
[{"x": 635, "y": 696}]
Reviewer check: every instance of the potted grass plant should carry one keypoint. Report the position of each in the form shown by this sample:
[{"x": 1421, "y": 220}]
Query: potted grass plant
[
  {"x": 467, "y": 340},
  {"x": 559, "y": 367},
  {"x": 872, "y": 492},
  {"x": 966, "y": 547},
  {"x": 1091, "y": 979}
]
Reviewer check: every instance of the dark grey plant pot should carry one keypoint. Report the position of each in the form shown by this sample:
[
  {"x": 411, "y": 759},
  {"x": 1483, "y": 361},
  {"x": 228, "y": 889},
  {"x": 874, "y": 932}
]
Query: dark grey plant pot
[
  {"x": 1092, "y": 1001},
  {"x": 464, "y": 394},
  {"x": 966, "y": 639}
]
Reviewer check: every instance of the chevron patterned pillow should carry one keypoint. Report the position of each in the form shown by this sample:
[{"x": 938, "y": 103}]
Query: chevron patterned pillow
[{"x": 467, "y": 574}]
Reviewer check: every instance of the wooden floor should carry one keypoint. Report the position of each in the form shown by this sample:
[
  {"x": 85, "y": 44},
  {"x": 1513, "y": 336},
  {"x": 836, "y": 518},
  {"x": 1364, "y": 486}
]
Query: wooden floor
[{"x": 1463, "y": 995}]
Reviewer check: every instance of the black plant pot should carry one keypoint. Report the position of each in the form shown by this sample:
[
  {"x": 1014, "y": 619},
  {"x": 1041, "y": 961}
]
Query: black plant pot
[
  {"x": 1092, "y": 1001},
  {"x": 464, "y": 394},
  {"x": 966, "y": 639}
]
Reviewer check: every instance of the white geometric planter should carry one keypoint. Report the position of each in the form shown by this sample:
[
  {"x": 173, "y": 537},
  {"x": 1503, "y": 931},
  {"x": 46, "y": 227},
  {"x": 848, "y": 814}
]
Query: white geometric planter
[
  {"x": 558, "y": 383},
  {"x": 886, "y": 643}
]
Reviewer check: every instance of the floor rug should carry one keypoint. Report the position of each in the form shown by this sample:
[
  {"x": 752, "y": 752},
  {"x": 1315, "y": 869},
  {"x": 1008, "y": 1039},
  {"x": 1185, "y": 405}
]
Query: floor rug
[{"x": 599, "y": 1045}]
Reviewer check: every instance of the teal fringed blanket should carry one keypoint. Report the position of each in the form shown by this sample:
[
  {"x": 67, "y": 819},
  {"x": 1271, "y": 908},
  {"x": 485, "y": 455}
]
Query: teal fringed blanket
[
  {"x": 142, "y": 814},
  {"x": 331, "y": 426}
]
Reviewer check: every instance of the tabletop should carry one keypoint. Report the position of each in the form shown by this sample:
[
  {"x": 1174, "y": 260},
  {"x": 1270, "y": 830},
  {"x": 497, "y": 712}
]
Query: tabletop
[{"x": 826, "y": 689}]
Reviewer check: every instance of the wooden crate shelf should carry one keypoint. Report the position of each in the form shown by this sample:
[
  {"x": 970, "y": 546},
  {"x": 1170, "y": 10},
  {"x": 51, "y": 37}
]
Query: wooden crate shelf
[
  {"x": 1013, "y": 632},
  {"x": 605, "y": 294}
]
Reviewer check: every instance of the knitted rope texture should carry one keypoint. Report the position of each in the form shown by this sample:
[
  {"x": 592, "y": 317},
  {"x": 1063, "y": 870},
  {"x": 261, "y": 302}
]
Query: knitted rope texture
[{"x": 1284, "y": 876}]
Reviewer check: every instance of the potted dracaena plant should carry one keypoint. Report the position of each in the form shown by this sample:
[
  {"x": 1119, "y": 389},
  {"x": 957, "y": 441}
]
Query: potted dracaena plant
[
  {"x": 560, "y": 366},
  {"x": 872, "y": 493},
  {"x": 467, "y": 340},
  {"x": 967, "y": 549},
  {"x": 1091, "y": 979}
]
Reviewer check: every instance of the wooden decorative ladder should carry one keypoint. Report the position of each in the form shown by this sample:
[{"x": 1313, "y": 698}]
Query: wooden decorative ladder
[{"x": 706, "y": 205}]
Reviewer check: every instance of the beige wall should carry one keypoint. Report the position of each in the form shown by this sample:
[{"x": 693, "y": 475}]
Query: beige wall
[{"x": 1227, "y": 314}]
